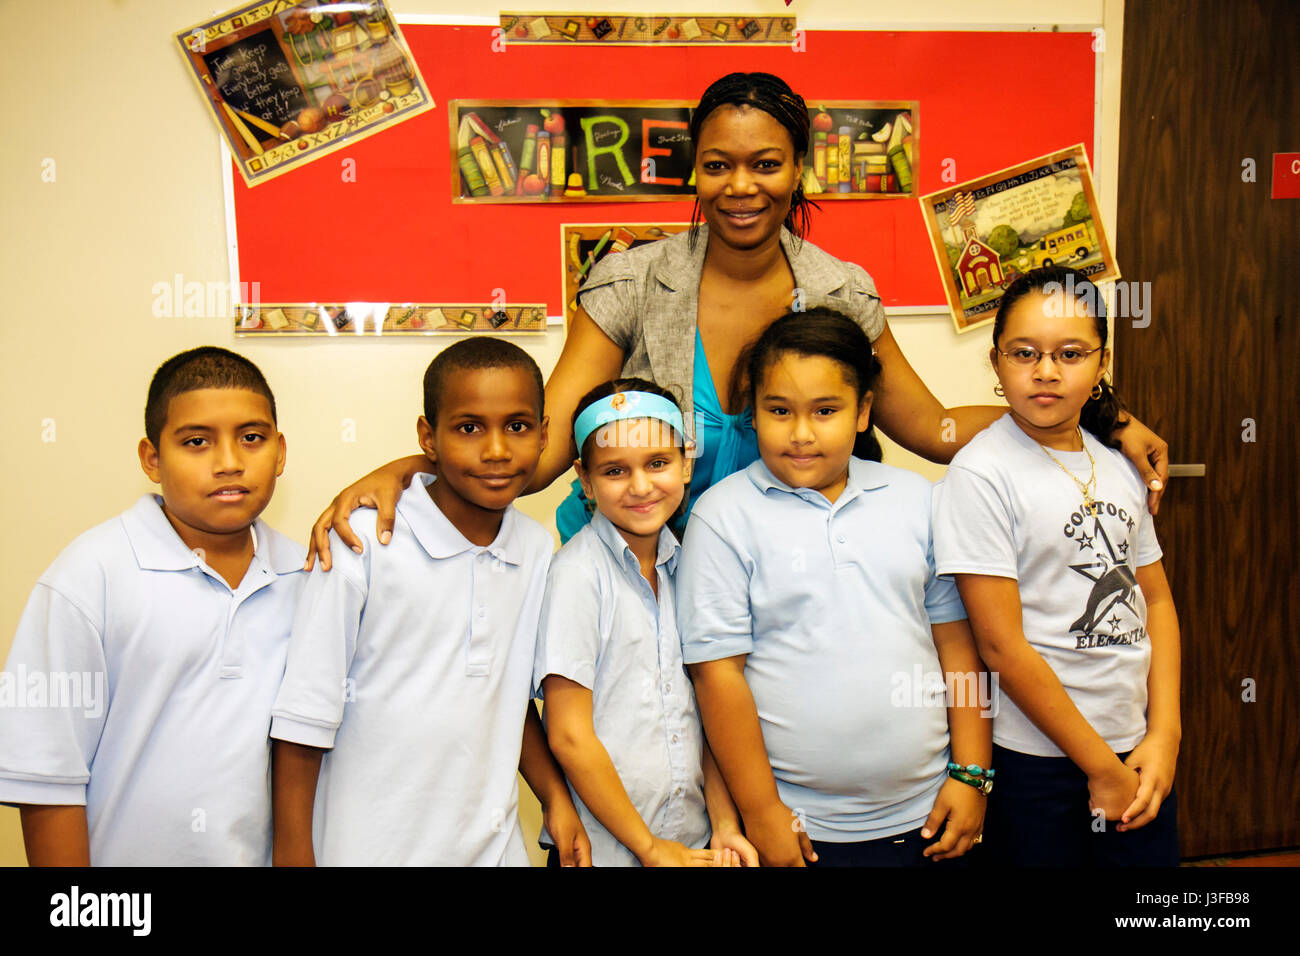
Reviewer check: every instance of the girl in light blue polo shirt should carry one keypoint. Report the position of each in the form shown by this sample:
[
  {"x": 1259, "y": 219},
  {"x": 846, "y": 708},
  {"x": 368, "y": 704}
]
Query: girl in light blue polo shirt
[
  {"x": 817, "y": 633},
  {"x": 620, "y": 713}
]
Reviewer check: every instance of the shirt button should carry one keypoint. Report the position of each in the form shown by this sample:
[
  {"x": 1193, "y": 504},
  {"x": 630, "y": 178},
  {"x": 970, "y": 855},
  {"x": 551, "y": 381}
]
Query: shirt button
[
  {"x": 674, "y": 738},
  {"x": 839, "y": 538},
  {"x": 482, "y": 612},
  {"x": 668, "y": 688}
]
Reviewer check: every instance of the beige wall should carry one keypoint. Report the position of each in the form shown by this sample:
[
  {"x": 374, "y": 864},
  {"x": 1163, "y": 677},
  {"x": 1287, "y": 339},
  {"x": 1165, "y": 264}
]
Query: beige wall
[{"x": 137, "y": 197}]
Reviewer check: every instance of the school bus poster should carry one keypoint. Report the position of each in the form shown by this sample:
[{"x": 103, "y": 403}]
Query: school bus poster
[{"x": 988, "y": 231}]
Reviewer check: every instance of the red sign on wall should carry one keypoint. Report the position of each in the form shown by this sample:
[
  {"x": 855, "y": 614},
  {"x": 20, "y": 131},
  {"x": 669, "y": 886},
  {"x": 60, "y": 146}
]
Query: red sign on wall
[{"x": 1286, "y": 175}]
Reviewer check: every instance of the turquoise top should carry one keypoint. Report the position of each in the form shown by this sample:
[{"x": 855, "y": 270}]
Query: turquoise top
[{"x": 724, "y": 444}]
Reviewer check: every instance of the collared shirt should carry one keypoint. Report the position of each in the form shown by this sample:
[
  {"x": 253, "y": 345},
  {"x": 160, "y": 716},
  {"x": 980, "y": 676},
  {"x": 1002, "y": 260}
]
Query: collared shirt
[
  {"x": 1005, "y": 509},
  {"x": 832, "y": 603},
  {"x": 140, "y": 685},
  {"x": 413, "y": 662},
  {"x": 602, "y": 627},
  {"x": 647, "y": 300}
]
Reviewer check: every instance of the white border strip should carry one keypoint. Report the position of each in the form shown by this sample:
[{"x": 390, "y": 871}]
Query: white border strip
[
  {"x": 232, "y": 230},
  {"x": 447, "y": 19},
  {"x": 1095, "y": 161},
  {"x": 918, "y": 310}
]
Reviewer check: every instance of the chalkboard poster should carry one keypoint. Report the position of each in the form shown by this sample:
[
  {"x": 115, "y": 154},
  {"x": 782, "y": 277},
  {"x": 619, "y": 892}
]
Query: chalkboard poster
[
  {"x": 289, "y": 83},
  {"x": 254, "y": 75},
  {"x": 600, "y": 150}
]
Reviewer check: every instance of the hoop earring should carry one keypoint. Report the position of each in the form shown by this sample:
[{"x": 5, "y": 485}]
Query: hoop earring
[
  {"x": 1096, "y": 392},
  {"x": 999, "y": 391}
]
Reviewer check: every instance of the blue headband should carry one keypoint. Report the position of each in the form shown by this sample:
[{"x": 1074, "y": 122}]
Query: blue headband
[{"x": 622, "y": 406}]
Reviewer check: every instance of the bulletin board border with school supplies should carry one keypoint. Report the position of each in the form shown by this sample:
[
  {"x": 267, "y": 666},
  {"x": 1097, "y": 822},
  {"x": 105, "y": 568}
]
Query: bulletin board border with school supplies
[
  {"x": 990, "y": 230},
  {"x": 615, "y": 151},
  {"x": 390, "y": 230},
  {"x": 288, "y": 85},
  {"x": 613, "y": 29},
  {"x": 388, "y": 318}
]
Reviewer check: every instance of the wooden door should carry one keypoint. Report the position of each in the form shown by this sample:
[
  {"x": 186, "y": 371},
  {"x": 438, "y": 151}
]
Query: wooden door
[{"x": 1208, "y": 86}]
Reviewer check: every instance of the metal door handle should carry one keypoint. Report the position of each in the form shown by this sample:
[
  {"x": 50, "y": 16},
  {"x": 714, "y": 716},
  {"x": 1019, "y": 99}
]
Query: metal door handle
[{"x": 1187, "y": 471}]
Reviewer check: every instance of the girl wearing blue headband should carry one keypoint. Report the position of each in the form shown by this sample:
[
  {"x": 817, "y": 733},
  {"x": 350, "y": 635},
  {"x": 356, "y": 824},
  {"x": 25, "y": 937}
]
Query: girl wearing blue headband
[{"x": 620, "y": 712}]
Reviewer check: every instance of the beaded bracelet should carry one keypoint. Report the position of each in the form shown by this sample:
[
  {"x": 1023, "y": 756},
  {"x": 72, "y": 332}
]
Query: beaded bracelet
[
  {"x": 984, "y": 786},
  {"x": 974, "y": 769}
]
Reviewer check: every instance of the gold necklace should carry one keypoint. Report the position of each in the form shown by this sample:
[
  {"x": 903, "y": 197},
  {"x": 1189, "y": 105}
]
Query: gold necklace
[{"x": 1085, "y": 488}]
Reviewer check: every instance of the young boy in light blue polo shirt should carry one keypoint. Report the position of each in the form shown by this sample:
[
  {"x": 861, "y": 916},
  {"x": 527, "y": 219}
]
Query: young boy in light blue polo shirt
[
  {"x": 408, "y": 688},
  {"x": 135, "y": 704}
]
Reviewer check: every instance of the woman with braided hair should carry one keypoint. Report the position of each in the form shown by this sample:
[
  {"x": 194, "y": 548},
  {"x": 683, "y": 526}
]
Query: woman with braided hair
[{"x": 679, "y": 311}]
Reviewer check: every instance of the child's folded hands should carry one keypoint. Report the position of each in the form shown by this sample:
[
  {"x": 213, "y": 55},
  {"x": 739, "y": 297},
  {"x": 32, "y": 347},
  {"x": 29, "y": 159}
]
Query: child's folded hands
[
  {"x": 959, "y": 809},
  {"x": 779, "y": 836},
  {"x": 671, "y": 853},
  {"x": 1154, "y": 760}
]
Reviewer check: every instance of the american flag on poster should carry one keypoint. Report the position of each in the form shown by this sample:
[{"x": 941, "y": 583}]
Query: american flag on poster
[{"x": 963, "y": 206}]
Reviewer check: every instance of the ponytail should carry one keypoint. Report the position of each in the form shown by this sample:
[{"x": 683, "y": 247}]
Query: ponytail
[{"x": 1101, "y": 415}]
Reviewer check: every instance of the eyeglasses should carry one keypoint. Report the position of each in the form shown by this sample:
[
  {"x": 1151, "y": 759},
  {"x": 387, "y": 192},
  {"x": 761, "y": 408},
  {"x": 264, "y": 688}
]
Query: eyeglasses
[{"x": 1028, "y": 357}]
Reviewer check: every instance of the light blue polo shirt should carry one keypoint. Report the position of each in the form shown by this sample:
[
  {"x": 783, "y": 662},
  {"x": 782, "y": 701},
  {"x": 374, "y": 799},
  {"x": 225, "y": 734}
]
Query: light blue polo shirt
[
  {"x": 140, "y": 685},
  {"x": 413, "y": 661},
  {"x": 602, "y": 627},
  {"x": 833, "y": 604}
]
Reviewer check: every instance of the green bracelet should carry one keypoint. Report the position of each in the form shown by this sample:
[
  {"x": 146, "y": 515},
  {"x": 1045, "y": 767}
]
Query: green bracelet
[
  {"x": 984, "y": 786},
  {"x": 974, "y": 769}
]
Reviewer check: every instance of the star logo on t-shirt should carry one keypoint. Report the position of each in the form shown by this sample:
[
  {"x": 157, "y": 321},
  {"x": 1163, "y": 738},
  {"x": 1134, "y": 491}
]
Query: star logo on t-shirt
[{"x": 1113, "y": 582}]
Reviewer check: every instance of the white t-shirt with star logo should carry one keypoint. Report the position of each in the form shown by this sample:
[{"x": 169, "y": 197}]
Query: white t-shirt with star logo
[{"x": 1006, "y": 509}]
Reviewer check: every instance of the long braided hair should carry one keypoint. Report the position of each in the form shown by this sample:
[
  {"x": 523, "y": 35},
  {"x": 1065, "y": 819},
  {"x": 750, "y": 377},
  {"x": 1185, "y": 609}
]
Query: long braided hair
[{"x": 773, "y": 96}]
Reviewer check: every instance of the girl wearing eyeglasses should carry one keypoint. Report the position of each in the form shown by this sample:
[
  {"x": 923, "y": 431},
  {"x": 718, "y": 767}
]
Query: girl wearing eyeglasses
[{"x": 1043, "y": 525}]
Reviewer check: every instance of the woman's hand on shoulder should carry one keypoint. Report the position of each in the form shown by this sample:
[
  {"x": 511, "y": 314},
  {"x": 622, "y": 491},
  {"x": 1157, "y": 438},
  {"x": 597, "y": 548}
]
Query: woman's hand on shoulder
[
  {"x": 1150, "y": 455},
  {"x": 380, "y": 489}
]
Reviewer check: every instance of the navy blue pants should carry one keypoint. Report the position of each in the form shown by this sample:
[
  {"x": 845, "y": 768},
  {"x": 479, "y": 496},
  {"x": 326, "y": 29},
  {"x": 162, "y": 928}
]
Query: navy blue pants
[
  {"x": 901, "y": 850},
  {"x": 1038, "y": 816}
]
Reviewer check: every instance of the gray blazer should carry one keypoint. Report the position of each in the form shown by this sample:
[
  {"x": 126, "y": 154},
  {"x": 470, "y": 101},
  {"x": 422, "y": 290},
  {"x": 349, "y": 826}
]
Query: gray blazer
[{"x": 646, "y": 300}]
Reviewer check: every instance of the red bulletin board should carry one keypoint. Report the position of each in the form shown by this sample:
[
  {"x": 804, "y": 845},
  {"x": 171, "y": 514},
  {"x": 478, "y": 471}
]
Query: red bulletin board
[{"x": 986, "y": 101}]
